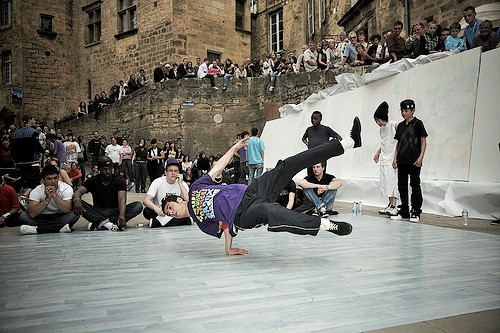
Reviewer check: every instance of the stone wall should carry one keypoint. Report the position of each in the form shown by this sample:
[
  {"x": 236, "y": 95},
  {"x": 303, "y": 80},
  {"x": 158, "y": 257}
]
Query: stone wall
[{"x": 197, "y": 117}]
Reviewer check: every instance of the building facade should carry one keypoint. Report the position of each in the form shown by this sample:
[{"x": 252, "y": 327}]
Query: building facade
[{"x": 56, "y": 53}]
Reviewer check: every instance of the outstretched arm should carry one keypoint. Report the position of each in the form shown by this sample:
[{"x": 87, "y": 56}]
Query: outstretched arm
[
  {"x": 218, "y": 167},
  {"x": 230, "y": 250}
]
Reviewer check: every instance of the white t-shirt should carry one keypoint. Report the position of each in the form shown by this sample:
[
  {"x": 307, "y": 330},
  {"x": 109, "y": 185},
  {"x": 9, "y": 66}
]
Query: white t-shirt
[
  {"x": 202, "y": 70},
  {"x": 64, "y": 190},
  {"x": 72, "y": 149},
  {"x": 113, "y": 152},
  {"x": 388, "y": 143},
  {"x": 160, "y": 188}
]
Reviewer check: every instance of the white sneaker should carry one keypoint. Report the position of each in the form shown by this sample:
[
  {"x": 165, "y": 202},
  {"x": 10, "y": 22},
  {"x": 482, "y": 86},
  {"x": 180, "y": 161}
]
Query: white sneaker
[
  {"x": 28, "y": 230},
  {"x": 385, "y": 210},
  {"x": 215, "y": 88},
  {"x": 414, "y": 218},
  {"x": 110, "y": 226},
  {"x": 89, "y": 227},
  {"x": 392, "y": 211},
  {"x": 271, "y": 88},
  {"x": 66, "y": 228}
]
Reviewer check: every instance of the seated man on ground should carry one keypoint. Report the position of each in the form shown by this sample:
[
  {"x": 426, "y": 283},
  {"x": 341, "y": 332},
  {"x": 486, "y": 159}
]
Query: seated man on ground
[
  {"x": 109, "y": 194},
  {"x": 49, "y": 207},
  {"x": 170, "y": 184},
  {"x": 223, "y": 209},
  {"x": 321, "y": 189},
  {"x": 9, "y": 205}
]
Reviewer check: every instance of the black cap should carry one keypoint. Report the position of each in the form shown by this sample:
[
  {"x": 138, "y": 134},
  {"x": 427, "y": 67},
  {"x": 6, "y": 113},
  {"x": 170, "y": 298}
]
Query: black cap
[
  {"x": 382, "y": 112},
  {"x": 104, "y": 161},
  {"x": 407, "y": 104}
]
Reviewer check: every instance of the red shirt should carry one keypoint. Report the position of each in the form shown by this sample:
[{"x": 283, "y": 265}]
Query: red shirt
[{"x": 8, "y": 199}]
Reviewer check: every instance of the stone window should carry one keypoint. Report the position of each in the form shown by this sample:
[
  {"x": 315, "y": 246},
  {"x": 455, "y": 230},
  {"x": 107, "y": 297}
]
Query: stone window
[
  {"x": 240, "y": 14},
  {"x": 310, "y": 18},
  {"x": 127, "y": 15},
  {"x": 212, "y": 55},
  {"x": 93, "y": 24},
  {"x": 322, "y": 11},
  {"x": 46, "y": 23},
  {"x": 276, "y": 31},
  {"x": 6, "y": 12},
  {"x": 6, "y": 67}
]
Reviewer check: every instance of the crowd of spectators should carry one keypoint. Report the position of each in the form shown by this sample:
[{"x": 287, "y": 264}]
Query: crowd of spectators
[{"x": 352, "y": 49}]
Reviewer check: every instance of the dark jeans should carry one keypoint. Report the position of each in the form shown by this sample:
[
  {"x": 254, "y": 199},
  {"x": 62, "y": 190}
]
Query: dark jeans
[
  {"x": 94, "y": 159},
  {"x": 405, "y": 171},
  {"x": 141, "y": 173},
  {"x": 258, "y": 206},
  {"x": 12, "y": 221},
  {"x": 96, "y": 215},
  {"x": 30, "y": 175},
  {"x": 155, "y": 170},
  {"x": 127, "y": 169},
  {"x": 244, "y": 172},
  {"x": 151, "y": 214},
  {"x": 212, "y": 80},
  {"x": 49, "y": 222}
]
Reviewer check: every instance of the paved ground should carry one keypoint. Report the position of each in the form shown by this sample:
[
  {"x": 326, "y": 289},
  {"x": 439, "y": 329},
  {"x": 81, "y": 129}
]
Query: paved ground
[{"x": 485, "y": 321}]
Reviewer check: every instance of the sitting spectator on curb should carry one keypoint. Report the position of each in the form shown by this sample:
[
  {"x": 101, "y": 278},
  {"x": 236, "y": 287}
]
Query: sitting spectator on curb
[
  {"x": 141, "y": 79},
  {"x": 49, "y": 208},
  {"x": 203, "y": 73},
  {"x": 321, "y": 189},
  {"x": 171, "y": 184},
  {"x": 109, "y": 193}
]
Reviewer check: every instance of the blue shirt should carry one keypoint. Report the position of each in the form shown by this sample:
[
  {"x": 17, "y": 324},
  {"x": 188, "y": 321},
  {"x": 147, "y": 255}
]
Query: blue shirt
[
  {"x": 454, "y": 43},
  {"x": 254, "y": 148},
  {"x": 350, "y": 52},
  {"x": 471, "y": 31}
]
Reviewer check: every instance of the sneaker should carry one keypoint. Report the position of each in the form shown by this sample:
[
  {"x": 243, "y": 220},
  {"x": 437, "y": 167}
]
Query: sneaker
[
  {"x": 495, "y": 222},
  {"x": 23, "y": 200},
  {"x": 224, "y": 88},
  {"x": 356, "y": 132},
  {"x": 321, "y": 210},
  {"x": 400, "y": 216},
  {"x": 271, "y": 88},
  {"x": 414, "y": 218},
  {"x": 65, "y": 229},
  {"x": 109, "y": 226},
  {"x": 90, "y": 228},
  {"x": 340, "y": 228},
  {"x": 215, "y": 88},
  {"x": 28, "y": 230},
  {"x": 143, "y": 191},
  {"x": 329, "y": 212},
  {"x": 385, "y": 210},
  {"x": 392, "y": 211}
]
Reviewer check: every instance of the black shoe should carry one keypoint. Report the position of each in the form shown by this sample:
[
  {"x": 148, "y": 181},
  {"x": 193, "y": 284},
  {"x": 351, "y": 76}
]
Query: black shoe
[
  {"x": 340, "y": 228},
  {"x": 356, "y": 132},
  {"x": 495, "y": 222},
  {"x": 329, "y": 212},
  {"x": 143, "y": 191}
]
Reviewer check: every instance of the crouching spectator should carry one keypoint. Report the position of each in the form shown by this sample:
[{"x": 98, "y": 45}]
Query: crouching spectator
[
  {"x": 49, "y": 207},
  {"x": 9, "y": 205}
]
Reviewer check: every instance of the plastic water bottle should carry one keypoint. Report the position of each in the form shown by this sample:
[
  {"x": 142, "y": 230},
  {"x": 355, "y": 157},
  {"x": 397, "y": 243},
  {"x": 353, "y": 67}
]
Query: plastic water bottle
[
  {"x": 360, "y": 208},
  {"x": 354, "y": 208},
  {"x": 465, "y": 217}
]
